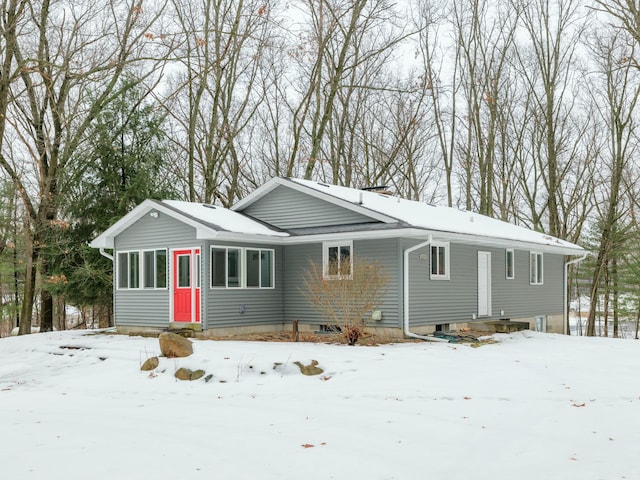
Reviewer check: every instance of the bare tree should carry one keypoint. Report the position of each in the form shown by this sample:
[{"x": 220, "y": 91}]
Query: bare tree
[
  {"x": 65, "y": 61},
  {"x": 346, "y": 45},
  {"x": 554, "y": 31},
  {"x": 218, "y": 57},
  {"x": 618, "y": 98},
  {"x": 484, "y": 36}
]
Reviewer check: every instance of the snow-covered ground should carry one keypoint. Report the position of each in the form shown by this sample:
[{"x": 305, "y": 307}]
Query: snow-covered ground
[{"x": 532, "y": 406}]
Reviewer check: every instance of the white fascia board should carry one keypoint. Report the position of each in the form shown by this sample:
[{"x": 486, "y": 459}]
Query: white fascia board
[
  {"x": 257, "y": 194},
  {"x": 436, "y": 235},
  {"x": 106, "y": 239},
  {"x": 224, "y": 236},
  {"x": 327, "y": 197}
]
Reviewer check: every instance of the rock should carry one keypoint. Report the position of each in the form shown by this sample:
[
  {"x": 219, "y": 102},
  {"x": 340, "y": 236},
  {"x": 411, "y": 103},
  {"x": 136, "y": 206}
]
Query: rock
[
  {"x": 187, "y": 374},
  {"x": 150, "y": 364},
  {"x": 311, "y": 369},
  {"x": 172, "y": 345},
  {"x": 183, "y": 374}
]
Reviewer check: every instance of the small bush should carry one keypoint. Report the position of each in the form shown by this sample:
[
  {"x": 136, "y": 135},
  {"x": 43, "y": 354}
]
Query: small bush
[{"x": 348, "y": 295}]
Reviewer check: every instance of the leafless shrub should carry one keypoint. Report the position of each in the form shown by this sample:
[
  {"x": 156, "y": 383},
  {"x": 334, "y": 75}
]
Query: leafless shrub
[{"x": 344, "y": 295}]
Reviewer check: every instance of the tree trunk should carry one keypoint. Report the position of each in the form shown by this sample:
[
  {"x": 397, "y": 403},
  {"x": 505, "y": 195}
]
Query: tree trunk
[{"x": 28, "y": 298}]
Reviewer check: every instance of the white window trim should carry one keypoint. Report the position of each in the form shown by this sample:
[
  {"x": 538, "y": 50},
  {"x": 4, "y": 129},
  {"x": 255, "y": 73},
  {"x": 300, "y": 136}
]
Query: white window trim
[
  {"x": 273, "y": 268},
  {"x": 141, "y": 272},
  {"x": 540, "y": 275},
  {"x": 325, "y": 259},
  {"x": 155, "y": 266},
  {"x": 243, "y": 266},
  {"x": 513, "y": 264},
  {"x": 435, "y": 276}
]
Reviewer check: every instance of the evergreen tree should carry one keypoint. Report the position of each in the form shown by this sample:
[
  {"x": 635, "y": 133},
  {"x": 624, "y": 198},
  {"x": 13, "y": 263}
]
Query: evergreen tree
[{"x": 125, "y": 159}]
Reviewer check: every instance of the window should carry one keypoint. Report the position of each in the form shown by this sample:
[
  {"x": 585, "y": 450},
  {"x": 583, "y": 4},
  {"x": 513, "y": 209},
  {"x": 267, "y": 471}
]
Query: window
[
  {"x": 226, "y": 267},
  {"x": 184, "y": 271},
  {"x": 337, "y": 259},
  {"x": 235, "y": 267},
  {"x": 535, "y": 268},
  {"x": 439, "y": 261},
  {"x": 259, "y": 268},
  {"x": 154, "y": 266},
  {"x": 510, "y": 264},
  {"x": 129, "y": 270}
]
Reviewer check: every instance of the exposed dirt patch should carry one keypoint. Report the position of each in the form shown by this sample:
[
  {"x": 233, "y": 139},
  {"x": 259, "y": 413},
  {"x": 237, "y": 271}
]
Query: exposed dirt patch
[{"x": 333, "y": 338}]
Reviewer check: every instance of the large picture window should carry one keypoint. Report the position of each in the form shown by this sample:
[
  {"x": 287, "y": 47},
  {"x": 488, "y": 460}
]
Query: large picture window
[
  {"x": 337, "y": 260},
  {"x": 535, "y": 268},
  {"x": 439, "y": 261},
  {"x": 235, "y": 267},
  {"x": 142, "y": 269}
]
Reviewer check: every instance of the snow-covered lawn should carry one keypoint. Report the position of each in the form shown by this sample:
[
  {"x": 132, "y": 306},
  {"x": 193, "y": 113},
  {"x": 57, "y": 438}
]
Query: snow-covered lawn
[{"x": 532, "y": 406}]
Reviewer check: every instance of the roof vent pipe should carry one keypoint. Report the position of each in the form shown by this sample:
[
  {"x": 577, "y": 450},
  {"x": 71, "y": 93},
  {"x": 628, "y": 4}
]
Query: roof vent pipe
[{"x": 360, "y": 199}]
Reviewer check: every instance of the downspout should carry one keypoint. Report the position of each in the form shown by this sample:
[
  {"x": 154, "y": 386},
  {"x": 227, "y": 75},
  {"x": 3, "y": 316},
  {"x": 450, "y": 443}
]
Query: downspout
[
  {"x": 113, "y": 301},
  {"x": 406, "y": 294},
  {"x": 565, "y": 318},
  {"x": 105, "y": 254}
]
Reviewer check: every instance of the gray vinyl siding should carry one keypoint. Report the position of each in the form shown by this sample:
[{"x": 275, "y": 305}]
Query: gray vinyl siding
[
  {"x": 287, "y": 208},
  {"x": 456, "y": 300},
  {"x": 262, "y": 306},
  {"x": 298, "y": 257},
  {"x": 144, "y": 307},
  {"x": 518, "y": 298}
]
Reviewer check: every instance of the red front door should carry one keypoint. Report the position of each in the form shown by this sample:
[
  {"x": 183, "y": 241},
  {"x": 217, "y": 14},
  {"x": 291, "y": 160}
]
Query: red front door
[{"x": 186, "y": 285}]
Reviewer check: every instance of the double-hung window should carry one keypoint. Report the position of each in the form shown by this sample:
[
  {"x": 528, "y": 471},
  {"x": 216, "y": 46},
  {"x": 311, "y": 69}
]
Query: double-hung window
[
  {"x": 154, "y": 267},
  {"x": 439, "y": 261},
  {"x": 510, "y": 261},
  {"x": 240, "y": 267},
  {"x": 535, "y": 268},
  {"x": 128, "y": 270},
  {"x": 337, "y": 260},
  {"x": 259, "y": 268},
  {"x": 226, "y": 267}
]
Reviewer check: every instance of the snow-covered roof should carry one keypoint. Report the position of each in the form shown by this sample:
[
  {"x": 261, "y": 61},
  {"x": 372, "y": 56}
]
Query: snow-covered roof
[
  {"x": 223, "y": 219},
  {"x": 209, "y": 221},
  {"x": 396, "y": 216},
  {"x": 437, "y": 218}
]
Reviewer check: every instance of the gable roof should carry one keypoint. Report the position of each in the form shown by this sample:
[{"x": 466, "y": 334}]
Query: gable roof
[
  {"x": 209, "y": 221},
  {"x": 393, "y": 216},
  {"x": 446, "y": 221}
]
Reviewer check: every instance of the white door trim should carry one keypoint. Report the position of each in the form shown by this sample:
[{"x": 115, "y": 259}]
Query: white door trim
[{"x": 484, "y": 284}]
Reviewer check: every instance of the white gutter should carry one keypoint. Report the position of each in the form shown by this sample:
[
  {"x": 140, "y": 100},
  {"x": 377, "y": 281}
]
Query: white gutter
[
  {"x": 406, "y": 294},
  {"x": 565, "y": 308},
  {"x": 105, "y": 254}
]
